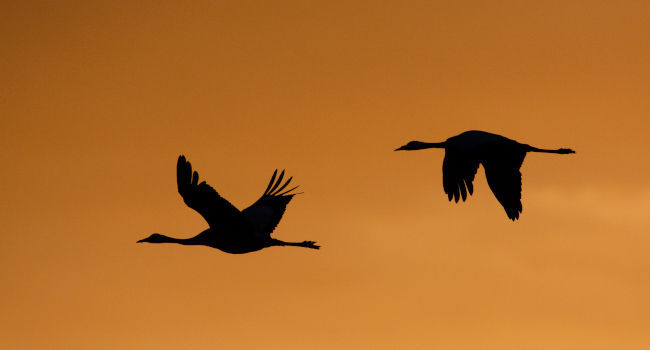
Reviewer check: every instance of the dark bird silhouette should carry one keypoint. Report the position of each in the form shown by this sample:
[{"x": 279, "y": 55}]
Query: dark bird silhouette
[
  {"x": 231, "y": 230},
  {"x": 501, "y": 158}
]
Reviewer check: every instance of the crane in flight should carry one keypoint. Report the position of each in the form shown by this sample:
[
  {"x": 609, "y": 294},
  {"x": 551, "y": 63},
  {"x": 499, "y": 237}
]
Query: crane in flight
[
  {"x": 231, "y": 230},
  {"x": 500, "y": 156}
]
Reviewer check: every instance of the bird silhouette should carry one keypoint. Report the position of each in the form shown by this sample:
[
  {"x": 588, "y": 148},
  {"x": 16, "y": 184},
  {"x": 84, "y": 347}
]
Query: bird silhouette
[
  {"x": 231, "y": 230},
  {"x": 501, "y": 158}
]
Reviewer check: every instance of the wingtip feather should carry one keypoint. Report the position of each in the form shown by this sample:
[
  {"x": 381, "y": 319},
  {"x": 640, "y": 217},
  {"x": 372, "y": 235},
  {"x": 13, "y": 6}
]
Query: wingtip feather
[
  {"x": 277, "y": 183},
  {"x": 282, "y": 187},
  {"x": 275, "y": 173},
  {"x": 195, "y": 178},
  {"x": 289, "y": 190}
]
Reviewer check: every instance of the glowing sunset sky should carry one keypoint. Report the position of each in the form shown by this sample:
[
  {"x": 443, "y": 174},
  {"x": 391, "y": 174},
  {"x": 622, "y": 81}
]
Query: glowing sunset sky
[{"x": 98, "y": 99}]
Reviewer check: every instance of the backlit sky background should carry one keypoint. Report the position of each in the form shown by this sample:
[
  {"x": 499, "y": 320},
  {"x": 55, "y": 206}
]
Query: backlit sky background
[{"x": 98, "y": 99}]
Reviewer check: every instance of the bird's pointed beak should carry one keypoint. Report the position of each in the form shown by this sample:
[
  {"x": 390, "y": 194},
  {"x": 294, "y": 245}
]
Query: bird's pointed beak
[
  {"x": 140, "y": 241},
  {"x": 400, "y": 149}
]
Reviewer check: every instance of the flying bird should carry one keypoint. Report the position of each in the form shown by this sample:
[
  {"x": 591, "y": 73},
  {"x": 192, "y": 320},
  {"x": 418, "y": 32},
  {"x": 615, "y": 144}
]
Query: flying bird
[
  {"x": 231, "y": 230},
  {"x": 501, "y": 158}
]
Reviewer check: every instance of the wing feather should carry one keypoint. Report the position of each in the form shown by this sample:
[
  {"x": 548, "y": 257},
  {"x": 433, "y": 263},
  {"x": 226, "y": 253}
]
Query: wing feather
[
  {"x": 503, "y": 176},
  {"x": 271, "y": 182},
  {"x": 216, "y": 210},
  {"x": 277, "y": 183},
  {"x": 265, "y": 214},
  {"x": 283, "y": 186},
  {"x": 458, "y": 171}
]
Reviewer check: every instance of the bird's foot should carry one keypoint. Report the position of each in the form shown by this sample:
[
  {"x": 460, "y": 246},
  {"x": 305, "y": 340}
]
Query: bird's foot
[{"x": 310, "y": 244}]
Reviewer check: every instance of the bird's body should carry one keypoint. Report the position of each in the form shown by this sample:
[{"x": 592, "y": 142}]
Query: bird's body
[
  {"x": 476, "y": 141},
  {"x": 500, "y": 156},
  {"x": 231, "y": 230}
]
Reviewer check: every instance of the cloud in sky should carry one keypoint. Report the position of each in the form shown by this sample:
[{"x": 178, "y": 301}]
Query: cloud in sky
[{"x": 621, "y": 205}]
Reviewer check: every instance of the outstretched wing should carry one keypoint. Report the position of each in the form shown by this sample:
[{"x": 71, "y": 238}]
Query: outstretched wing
[
  {"x": 201, "y": 197},
  {"x": 503, "y": 176},
  {"x": 266, "y": 212},
  {"x": 458, "y": 171}
]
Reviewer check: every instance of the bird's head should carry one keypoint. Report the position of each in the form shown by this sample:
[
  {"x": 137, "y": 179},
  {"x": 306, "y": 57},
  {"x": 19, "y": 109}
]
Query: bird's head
[
  {"x": 411, "y": 146},
  {"x": 154, "y": 238}
]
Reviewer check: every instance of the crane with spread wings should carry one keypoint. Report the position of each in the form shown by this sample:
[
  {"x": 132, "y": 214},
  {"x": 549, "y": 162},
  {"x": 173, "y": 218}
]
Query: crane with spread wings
[{"x": 231, "y": 230}]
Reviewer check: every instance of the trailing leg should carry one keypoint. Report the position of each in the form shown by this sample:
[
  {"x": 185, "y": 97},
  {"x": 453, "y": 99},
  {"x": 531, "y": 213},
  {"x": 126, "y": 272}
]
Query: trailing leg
[{"x": 306, "y": 244}]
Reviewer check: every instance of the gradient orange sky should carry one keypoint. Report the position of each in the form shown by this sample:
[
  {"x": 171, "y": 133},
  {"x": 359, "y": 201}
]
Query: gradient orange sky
[{"x": 98, "y": 99}]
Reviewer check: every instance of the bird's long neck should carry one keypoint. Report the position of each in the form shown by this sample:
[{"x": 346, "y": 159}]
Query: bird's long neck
[
  {"x": 183, "y": 241},
  {"x": 424, "y": 145},
  {"x": 558, "y": 151}
]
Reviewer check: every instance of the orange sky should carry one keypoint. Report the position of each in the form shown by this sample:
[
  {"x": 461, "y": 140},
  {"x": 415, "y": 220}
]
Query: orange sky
[{"x": 98, "y": 99}]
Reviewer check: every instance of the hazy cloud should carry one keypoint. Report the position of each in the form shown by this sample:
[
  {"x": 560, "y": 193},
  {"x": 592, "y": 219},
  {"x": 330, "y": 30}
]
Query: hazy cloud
[{"x": 620, "y": 205}]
